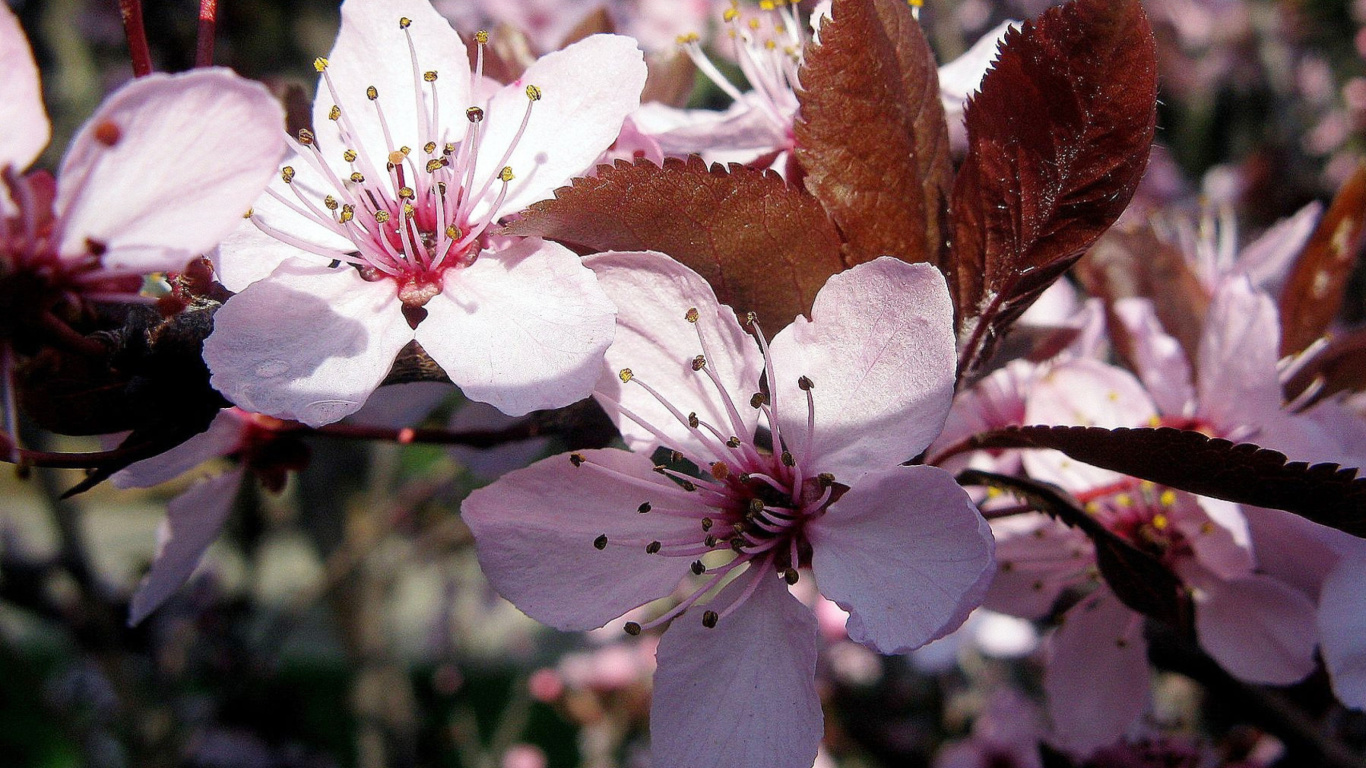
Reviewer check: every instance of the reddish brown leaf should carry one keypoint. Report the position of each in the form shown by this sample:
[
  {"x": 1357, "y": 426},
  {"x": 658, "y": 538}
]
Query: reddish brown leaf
[
  {"x": 1195, "y": 462},
  {"x": 871, "y": 133},
  {"x": 762, "y": 245},
  {"x": 1057, "y": 141},
  {"x": 1137, "y": 578},
  {"x": 1314, "y": 291}
]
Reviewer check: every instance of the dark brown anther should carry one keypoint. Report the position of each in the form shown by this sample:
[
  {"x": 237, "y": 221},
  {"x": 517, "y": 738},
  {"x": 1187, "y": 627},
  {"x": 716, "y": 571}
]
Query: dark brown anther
[
  {"x": 709, "y": 619},
  {"x": 107, "y": 132},
  {"x": 675, "y": 456},
  {"x": 576, "y": 459},
  {"x": 644, "y": 507},
  {"x": 689, "y": 486},
  {"x": 95, "y": 247},
  {"x": 790, "y": 576},
  {"x": 710, "y": 541},
  {"x": 653, "y": 548},
  {"x": 632, "y": 628},
  {"x": 600, "y": 542},
  {"x": 698, "y": 568},
  {"x": 707, "y": 523},
  {"x": 805, "y": 384},
  {"x": 788, "y": 460},
  {"x": 692, "y": 420},
  {"x": 757, "y": 400},
  {"x": 699, "y": 362},
  {"x": 734, "y": 442},
  {"x": 826, "y": 479},
  {"x": 756, "y": 506}
]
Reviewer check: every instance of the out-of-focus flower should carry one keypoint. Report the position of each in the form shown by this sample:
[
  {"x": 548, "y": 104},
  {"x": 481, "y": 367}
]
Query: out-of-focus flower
[
  {"x": 1005, "y": 735},
  {"x": 158, "y": 175},
  {"x": 547, "y": 23},
  {"x": 900, "y": 547},
  {"x": 376, "y": 232}
]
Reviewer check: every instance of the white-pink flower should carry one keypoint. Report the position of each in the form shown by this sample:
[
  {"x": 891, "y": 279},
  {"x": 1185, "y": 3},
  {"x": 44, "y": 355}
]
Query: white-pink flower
[
  {"x": 778, "y": 457},
  {"x": 377, "y": 231},
  {"x": 158, "y": 175}
]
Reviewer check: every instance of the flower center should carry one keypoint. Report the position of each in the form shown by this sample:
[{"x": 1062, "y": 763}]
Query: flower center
[
  {"x": 756, "y": 490},
  {"x": 768, "y": 49},
  {"x": 1140, "y": 512},
  {"x": 409, "y": 213}
]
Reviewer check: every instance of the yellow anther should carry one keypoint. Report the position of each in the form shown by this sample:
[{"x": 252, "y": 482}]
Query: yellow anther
[
  {"x": 625, "y": 375},
  {"x": 358, "y": 177},
  {"x": 993, "y": 492},
  {"x": 396, "y": 158},
  {"x": 1154, "y": 421},
  {"x": 448, "y": 149},
  {"x": 915, "y": 3},
  {"x": 1207, "y": 527},
  {"x": 699, "y": 362},
  {"x": 533, "y": 93},
  {"x": 320, "y": 64},
  {"x": 453, "y": 232},
  {"x": 248, "y": 214},
  {"x": 429, "y": 75},
  {"x": 1168, "y": 498},
  {"x": 429, "y": 147},
  {"x": 766, "y": 5},
  {"x": 1124, "y": 500},
  {"x": 474, "y": 114},
  {"x": 769, "y": 45},
  {"x": 406, "y": 193},
  {"x": 405, "y": 150},
  {"x": 381, "y": 216},
  {"x": 349, "y": 155},
  {"x": 305, "y": 137},
  {"x": 691, "y": 37},
  {"x": 372, "y": 93},
  {"x": 405, "y": 22},
  {"x": 730, "y": 14},
  {"x": 287, "y": 173},
  {"x": 691, "y": 315},
  {"x": 506, "y": 173},
  {"x": 330, "y": 202},
  {"x": 1160, "y": 522},
  {"x": 334, "y": 113},
  {"x": 435, "y": 164},
  {"x": 408, "y": 209},
  {"x": 481, "y": 37},
  {"x": 348, "y": 212},
  {"x": 754, "y": 24}
]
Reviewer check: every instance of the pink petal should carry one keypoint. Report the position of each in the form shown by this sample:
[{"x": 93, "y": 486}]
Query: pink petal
[
  {"x": 1237, "y": 378},
  {"x": 307, "y": 343},
  {"x": 879, "y": 348},
  {"x": 1217, "y": 532},
  {"x": 1266, "y": 261},
  {"x": 1289, "y": 547},
  {"x": 1257, "y": 628},
  {"x": 742, "y": 693},
  {"x": 1037, "y": 558},
  {"x": 653, "y": 294},
  {"x": 193, "y": 520},
  {"x": 587, "y": 90},
  {"x": 1087, "y": 393},
  {"x": 223, "y": 437},
  {"x": 906, "y": 553},
  {"x": 372, "y": 50},
  {"x": 25, "y": 129},
  {"x": 1159, "y": 357},
  {"x": 192, "y": 152},
  {"x": 534, "y": 532},
  {"x": 521, "y": 329},
  {"x": 1097, "y": 675},
  {"x": 1342, "y": 625}
]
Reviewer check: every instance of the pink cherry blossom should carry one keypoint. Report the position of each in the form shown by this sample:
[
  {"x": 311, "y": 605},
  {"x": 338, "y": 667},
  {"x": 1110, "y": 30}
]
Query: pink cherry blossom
[
  {"x": 842, "y": 399},
  {"x": 159, "y": 174},
  {"x": 1251, "y": 623},
  {"x": 377, "y": 232}
]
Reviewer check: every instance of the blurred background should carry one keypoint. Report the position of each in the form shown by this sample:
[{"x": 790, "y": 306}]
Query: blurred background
[{"x": 344, "y": 621}]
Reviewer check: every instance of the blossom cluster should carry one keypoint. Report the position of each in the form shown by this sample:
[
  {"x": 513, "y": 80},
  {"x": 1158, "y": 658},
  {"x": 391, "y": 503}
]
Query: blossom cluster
[{"x": 494, "y": 228}]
